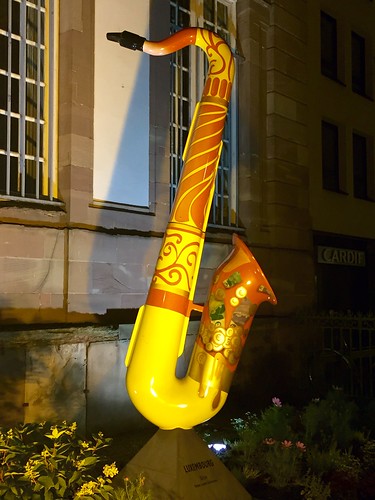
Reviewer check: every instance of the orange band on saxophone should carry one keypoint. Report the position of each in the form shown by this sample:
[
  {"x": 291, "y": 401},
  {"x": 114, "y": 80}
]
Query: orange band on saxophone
[{"x": 169, "y": 300}]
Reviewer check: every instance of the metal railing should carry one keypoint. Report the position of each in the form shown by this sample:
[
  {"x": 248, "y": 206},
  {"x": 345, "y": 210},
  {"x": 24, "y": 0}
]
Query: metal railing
[{"x": 345, "y": 353}]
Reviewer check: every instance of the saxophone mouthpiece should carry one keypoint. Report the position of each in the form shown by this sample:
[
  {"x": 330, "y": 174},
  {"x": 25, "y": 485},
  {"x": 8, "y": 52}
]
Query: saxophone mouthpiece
[{"x": 127, "y": 40}]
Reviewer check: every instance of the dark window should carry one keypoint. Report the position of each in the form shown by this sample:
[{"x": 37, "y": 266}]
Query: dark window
[
  {"x": 330, "y": 157},
  {"x": 360, "y": 166},
  {"x": 358, "y": 64},
  {"x": 328, "y": 45}
]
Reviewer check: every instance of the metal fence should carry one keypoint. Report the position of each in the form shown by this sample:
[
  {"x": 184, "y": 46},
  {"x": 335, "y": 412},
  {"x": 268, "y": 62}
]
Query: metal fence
[{"x": 345, "y": 354}]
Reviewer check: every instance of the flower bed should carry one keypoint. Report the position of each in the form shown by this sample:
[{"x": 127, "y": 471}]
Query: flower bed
[{"x": 320, "y": 452}]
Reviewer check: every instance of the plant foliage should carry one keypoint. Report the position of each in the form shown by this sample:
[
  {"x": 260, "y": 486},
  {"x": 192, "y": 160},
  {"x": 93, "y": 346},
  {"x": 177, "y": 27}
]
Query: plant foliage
[
  {"x": 44, "y": 461},
  {"x": 314, "y": 453}
]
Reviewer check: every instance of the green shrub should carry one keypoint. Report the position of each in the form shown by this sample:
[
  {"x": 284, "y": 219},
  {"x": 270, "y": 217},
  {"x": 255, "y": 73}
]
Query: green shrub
[
  {"x": 330, "y": 421},
  {"x": 44, "y": 461},
  {"x": 314, "y": 488},
  {"x": 317, "y": 450},
  {"x": 322, "y": 461},
  {"x": 267, "y": 446}
]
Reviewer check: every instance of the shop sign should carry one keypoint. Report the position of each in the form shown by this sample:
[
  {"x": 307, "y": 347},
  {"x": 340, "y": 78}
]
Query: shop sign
[{"x": 341, "y": 256}]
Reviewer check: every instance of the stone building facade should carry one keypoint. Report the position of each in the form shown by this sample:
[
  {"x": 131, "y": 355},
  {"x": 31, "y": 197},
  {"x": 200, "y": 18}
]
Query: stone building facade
[{"x": 76, "y": 269}]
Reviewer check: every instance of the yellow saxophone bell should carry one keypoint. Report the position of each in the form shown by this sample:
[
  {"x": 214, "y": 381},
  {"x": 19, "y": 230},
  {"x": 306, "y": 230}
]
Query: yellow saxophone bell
[{"x": 238, "y": 286}]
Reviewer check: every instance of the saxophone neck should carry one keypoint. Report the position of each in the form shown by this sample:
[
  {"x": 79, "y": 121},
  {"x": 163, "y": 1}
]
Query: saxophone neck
[{"x": 221, "y": 61}]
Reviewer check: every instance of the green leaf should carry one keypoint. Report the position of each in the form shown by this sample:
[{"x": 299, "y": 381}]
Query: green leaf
[
  {"x": 48, "y": 495},
  {"x": 89, "y": 461},
  {"x": 105, "y": 495},
  {"x": 61, "y": 481},
  {"x": 62, "y": 486},
  {"x": 10, "y": 496},
  {"x": 75, "y": 476},
  {"x": 46, "y": 481}
]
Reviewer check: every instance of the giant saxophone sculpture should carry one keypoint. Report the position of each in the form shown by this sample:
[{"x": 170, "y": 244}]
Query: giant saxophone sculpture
[{"x": 238, "y": 286}]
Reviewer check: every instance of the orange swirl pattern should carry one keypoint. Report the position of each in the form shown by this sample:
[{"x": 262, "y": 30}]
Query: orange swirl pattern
[
  {"x": 179, "y": 257},
  {"x": 198, "y": 177}
]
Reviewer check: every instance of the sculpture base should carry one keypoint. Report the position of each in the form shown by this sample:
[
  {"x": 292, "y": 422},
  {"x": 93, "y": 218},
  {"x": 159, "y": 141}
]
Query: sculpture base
[{"x": 178, "y": 465}]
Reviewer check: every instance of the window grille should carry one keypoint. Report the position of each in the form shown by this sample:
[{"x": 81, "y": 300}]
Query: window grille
[
  {"x": 188, "y": 69},
  {"x": 27, "y": 100},
  {"x": 180, "y": 93}
]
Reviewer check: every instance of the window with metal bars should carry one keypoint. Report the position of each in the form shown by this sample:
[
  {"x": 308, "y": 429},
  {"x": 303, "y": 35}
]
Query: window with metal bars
[
  {"x": 188, "y": 69},
  {"x": 28, "y": 169}
]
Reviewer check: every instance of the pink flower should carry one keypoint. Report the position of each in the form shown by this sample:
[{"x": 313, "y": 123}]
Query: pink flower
[
  {"x": 301, "y": 446},
  {"x": 277, "y": 402},
  {"x": 269, "y": 441},
  {"x": 286, "y": 443}
]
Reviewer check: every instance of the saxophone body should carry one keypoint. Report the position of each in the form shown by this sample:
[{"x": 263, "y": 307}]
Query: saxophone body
[{"x": 238, "y": 285}]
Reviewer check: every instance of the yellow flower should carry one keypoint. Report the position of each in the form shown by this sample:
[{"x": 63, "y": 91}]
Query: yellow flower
[
  {"x": 141, "y": 480},
  {"x": 55, "y": 433},
  {"x": 110, "y": 470},
  {"x": 78, "y": 464},
  {"x": 29, "y": 472},
  {"x": 85, "y": 444},
  {"x": 72, "y": 429},
  {"x": 87, "y": 489},
  {"x": 101, "y": 481}
]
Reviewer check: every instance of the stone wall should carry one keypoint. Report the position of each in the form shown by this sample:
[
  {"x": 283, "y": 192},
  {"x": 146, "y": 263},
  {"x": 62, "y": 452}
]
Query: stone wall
[
  {"x": 74, "y": 374},
  {"x": 273, "y": 135}
]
